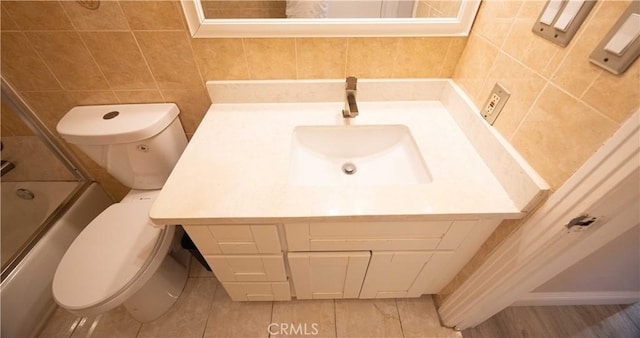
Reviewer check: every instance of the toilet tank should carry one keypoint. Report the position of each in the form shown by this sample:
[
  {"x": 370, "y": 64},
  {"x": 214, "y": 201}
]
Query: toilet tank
[{"x": 139, "y": 144}]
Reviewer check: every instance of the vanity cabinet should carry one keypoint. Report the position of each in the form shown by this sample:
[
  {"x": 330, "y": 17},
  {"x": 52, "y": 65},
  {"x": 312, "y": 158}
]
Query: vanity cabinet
[
  {"x": 379, "y": 259},
  {"x": 247, "y": 259},
  {"x": 337, "y": 260}
]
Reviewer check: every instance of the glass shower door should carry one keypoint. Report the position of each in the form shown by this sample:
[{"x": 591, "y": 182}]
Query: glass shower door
[{"x": 36, "y": 180}]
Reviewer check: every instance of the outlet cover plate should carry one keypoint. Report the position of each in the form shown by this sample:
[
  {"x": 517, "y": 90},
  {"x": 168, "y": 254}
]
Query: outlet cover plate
[
  {"x": 494, "y": 104},
  {"x": 617, "y": 64},
  {"x": 562, "y": 38}
]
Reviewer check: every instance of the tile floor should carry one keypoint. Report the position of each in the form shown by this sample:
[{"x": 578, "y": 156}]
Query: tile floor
[
  {"x": 205, "y": 310},
  {"x": 616, "y": 321}
]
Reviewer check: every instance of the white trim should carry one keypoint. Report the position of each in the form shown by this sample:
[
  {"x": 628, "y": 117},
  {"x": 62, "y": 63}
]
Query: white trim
[
  {"x": 578, "y": 298},
  {"x": 606, "y": 186},
  {"x": 200, "y": 27}
]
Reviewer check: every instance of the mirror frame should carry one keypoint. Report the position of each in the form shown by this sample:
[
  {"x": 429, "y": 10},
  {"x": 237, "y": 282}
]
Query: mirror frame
[{"x": 200, "y": 27}]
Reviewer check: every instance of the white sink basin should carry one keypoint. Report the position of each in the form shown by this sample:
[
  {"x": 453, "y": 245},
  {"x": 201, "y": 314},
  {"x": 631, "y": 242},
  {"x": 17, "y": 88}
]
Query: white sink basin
[{"x": 356, "y": 155}]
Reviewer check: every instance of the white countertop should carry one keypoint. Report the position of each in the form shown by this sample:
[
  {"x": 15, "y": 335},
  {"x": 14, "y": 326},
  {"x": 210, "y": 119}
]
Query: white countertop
[{"x": 236, "y": 169}]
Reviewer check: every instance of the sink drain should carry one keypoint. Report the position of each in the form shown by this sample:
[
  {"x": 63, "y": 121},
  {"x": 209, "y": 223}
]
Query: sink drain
[
  {"x": 25, "y": 194},
  {"x": 349, "y": 168}
]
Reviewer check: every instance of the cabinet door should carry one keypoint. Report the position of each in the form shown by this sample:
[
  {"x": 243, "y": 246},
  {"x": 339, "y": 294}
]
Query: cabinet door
[
  {"x": 325, "y": 275},
  {"x": 395, "y": 274}
]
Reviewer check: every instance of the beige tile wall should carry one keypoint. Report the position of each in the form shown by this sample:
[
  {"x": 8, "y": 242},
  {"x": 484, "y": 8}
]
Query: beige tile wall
[
  {"x": 437, "y": 8},
  {"x": 32, "y": 159},
  {"x": 58, "y": 54},
  {"x": 562, "y": 108}
]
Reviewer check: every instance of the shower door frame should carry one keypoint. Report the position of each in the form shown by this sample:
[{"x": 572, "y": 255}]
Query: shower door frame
[{"x": 57, "y": 147}]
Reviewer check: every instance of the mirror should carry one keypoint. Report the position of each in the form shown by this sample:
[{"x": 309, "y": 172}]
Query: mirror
[
  {"x": 329, "y": 18},
  {"x": 329, "y": 9}
]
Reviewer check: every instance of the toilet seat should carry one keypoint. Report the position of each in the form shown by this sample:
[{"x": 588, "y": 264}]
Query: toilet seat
[{"x": 114, "y": 251}]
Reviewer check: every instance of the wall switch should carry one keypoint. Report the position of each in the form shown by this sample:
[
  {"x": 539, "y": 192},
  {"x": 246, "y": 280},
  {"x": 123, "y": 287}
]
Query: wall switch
[
  {"x": 498, "y": 98},
  {"x": 619, "y": 49},
  {"x": 561, "y": 19}
]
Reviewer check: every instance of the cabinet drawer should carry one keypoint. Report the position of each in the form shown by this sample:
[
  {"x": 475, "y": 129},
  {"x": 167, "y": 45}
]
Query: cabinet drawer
[
  {"x": 437, "y": 235},
  {"x": 235, "y": 239},
  {"x": 242, "y": 268},
  {"x": 258, "y": 291}
]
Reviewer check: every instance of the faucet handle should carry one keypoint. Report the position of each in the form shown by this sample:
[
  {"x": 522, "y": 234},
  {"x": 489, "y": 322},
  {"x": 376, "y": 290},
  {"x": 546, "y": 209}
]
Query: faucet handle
[{"x": 352, "y": 83}]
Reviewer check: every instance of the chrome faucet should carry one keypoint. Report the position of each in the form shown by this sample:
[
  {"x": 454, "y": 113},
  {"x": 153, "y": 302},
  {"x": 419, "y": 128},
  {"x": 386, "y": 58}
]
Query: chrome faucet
[
  {"x": 350, "y": 105},
  {"x": 6, "y": 167}
]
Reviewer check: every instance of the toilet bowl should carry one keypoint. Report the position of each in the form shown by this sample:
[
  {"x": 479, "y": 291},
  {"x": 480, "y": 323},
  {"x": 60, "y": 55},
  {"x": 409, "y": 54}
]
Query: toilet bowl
[
  {"x": 121, "y": 257},
  {"x": 116, "y": 260}
]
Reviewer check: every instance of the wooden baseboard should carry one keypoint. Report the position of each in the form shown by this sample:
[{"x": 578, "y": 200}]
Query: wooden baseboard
[{"x": 578, "y": 298}]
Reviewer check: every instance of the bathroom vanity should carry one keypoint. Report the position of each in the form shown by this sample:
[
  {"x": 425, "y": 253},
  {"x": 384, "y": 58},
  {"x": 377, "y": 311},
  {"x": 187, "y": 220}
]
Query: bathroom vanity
[{"x": 286, "y": 198}]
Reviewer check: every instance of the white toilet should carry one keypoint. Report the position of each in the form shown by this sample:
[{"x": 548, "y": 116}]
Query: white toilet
[{"x": 121, "y": 257}]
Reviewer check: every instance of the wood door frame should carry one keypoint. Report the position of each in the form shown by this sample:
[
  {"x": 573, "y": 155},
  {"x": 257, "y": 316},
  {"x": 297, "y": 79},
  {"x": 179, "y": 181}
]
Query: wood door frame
[{"x": 606, "y": 186}]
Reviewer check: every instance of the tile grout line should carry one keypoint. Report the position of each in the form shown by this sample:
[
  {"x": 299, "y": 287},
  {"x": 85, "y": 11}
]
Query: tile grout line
[
  {"x": 515, "y": 18},
  {"x": 270, "y": 320},
  {"x": 395, "y": 301},
  {"x": 77, "y": 31},
  {"x": 593, "y": 82},
  {"x": 140, "y": 329},
  {"x": 624, "y": 312},
  {"x": 295, "y": 58},
  {"x": 586, "y": 104},
  {"x": 346, "y": 58},
  {"x": 526, "y": 115},
  {"x": 211, "y": 306},
  {"x": 26, "y": 36},
  {"x": 335, "y": 319},
  {"x": 146, "y": 62},
  {"x": 97, "y": 64},
  {"x": 396, "y": 51},
  {"x": 245, "y": 58},
  {"x": 190, "y": 39},
  {"x": 446, "y": 57}
]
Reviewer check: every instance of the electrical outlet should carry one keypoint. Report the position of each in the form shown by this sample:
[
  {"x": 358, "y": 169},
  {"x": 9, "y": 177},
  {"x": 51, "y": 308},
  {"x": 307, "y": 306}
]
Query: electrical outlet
[{"x": 495, "y": 103}]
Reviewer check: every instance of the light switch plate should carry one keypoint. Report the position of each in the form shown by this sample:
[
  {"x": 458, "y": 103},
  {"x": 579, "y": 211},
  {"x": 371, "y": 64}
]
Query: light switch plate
[
  {"x": 556, "y": 35},
  {"x": 617, "y": 64},
  {"x": 494, "y": 104}
]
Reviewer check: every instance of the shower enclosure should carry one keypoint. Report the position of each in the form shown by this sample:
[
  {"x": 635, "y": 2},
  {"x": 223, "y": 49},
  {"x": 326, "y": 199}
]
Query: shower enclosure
[
  {"x": 40, "y": 182},
  {"x": 47, "y": 199}
]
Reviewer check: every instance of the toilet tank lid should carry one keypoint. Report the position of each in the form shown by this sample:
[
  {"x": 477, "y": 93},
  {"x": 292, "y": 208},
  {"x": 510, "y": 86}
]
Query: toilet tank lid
[{"x": 111, "y": 124}]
